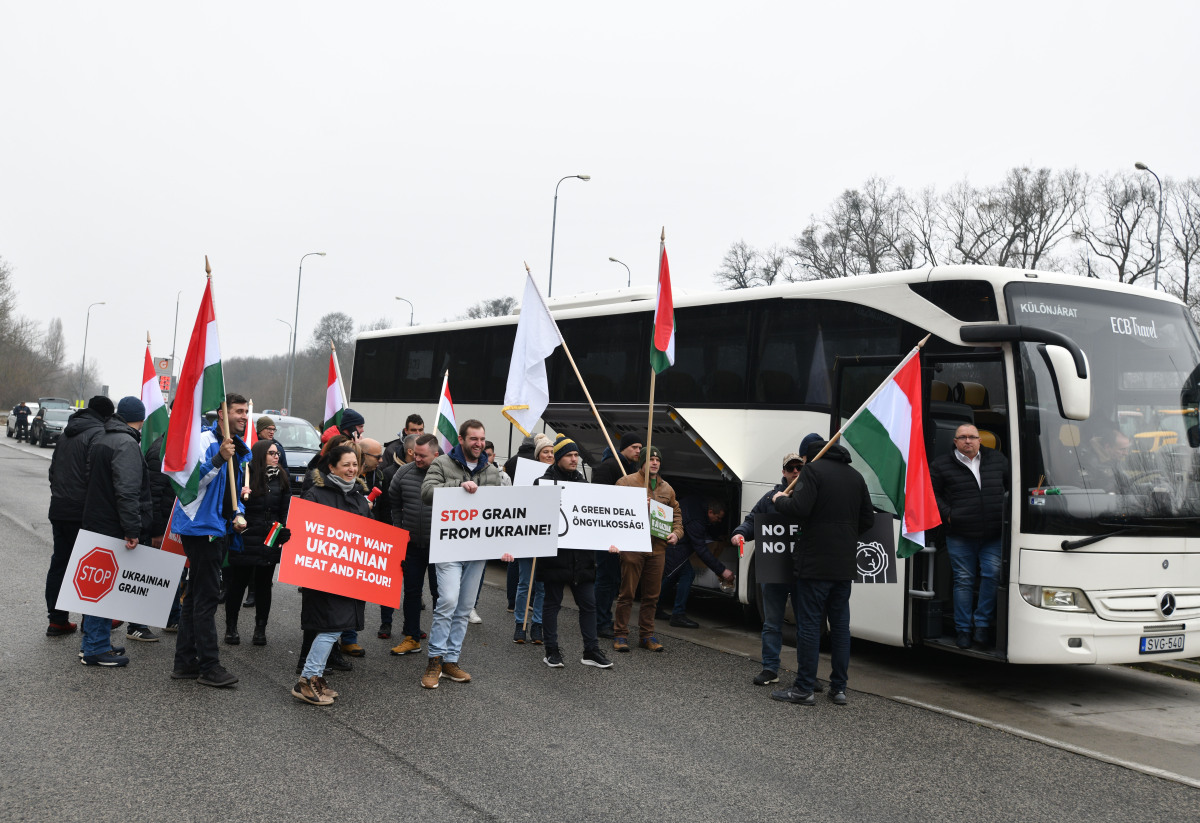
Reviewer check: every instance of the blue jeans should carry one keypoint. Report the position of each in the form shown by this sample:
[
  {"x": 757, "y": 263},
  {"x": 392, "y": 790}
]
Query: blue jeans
[
  {"x": 318, "y": 654},
  {"x": 458, "y": 582},
  {"x": 349, "y": 636},
  {"x": 608, "y": 583},
  {"x": 681, "y": 580},
  {"x": 816, "y": 599},
  {"x": 774, "y": 599},
  {"x": 539, "y": 593},
  {"x": 97, "y": 634},
  {"x": 974, "y": 560}
]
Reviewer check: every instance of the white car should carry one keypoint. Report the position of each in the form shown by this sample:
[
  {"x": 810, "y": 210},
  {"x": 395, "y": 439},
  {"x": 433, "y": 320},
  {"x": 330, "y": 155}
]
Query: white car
[{"x": 12, "y": 418}]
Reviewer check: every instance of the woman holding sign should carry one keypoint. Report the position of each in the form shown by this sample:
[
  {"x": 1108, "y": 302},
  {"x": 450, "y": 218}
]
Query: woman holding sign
[
  {"x": 266, "y": 496},
  {"x": 323, "y": 614}
]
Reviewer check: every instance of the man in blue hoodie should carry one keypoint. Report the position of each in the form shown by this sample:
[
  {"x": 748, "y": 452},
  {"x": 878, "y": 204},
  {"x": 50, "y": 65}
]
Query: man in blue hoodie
[{"x": 207, "y": 527}]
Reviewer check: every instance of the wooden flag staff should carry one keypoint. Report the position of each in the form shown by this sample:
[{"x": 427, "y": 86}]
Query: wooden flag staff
[
  {"x": 653, "y": 374},
  {"x": 232, "y": 483}
]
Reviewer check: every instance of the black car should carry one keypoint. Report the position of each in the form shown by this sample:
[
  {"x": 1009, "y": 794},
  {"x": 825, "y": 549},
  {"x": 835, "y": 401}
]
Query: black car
[{"x": 48, "y": 424}]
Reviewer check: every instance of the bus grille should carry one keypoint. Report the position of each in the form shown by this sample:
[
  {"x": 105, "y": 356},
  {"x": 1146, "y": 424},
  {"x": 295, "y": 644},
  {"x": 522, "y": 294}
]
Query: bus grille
[{"x": 1141, "y": 605}]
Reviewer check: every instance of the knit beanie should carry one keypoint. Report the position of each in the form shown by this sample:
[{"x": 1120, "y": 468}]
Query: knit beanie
[
  {"x": 131, "y": 409},
  {"x": 540, "y": 441},
  {"x": 351, "y": 418},
  {"x": 101, "y": 405},
  {"x": 808, "y": 440},
  {"x": 647, "y": 454},
  {"x": 631, "y": 439},
  {"x": 262, "y": 423},
  {"x": 563, "y": 446}
]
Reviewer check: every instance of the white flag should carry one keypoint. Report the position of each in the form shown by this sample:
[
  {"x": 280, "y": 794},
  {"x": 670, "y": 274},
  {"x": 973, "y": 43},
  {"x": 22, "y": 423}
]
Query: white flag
[{"x": 528, "y": 391}]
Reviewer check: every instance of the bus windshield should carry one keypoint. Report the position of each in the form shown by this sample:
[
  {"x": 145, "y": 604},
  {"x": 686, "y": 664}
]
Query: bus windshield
[{"x": 1129, "y": 467}]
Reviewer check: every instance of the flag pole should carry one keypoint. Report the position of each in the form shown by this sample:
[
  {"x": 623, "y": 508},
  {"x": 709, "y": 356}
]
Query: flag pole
[
  {"x": 836, "y": 435},
  {"x": 232, "y": 483},
  {"x": 653, "y": 373}
]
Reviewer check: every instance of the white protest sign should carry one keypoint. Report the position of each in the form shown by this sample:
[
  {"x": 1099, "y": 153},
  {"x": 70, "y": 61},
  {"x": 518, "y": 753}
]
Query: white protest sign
[
  {"x": 523, "y": 521},
  {"x": 528, "y": 470},
  {"x": 105, "y": 579},
  {"x": 662, "y": 519},
  {"x": 596, "y": 517}
]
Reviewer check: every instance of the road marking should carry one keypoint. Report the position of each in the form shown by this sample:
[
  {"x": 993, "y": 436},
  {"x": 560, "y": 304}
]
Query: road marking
[
  {"x": 39, "y": 453},
  {"x": 1049, "y": 741}
]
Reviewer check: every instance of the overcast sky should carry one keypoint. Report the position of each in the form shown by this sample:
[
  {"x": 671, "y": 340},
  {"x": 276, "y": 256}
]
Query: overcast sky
[{"x": 420, "y": 148}]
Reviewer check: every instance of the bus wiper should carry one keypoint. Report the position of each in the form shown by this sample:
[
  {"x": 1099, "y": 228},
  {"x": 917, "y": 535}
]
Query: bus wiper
[
  {"x": 1124, "y": 527},
  {"x": 1068, "y": 545}
]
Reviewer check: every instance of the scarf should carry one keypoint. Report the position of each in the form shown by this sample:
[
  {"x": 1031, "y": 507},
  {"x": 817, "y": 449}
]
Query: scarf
[{"x": 346, "y": 486}]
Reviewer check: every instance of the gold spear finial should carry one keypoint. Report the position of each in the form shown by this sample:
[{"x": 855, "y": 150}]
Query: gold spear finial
[
  {"x": 527, "y": 271},
  {"x": 664, "y": 234},
  {"x": 207, "y": 268}
]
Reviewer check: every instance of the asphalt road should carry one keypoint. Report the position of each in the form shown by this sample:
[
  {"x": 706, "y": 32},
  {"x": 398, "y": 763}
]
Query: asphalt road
[{"x": 678, "y": 735}]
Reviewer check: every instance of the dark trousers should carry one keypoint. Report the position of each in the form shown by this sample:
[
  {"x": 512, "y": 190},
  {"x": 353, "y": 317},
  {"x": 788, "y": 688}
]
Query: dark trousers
[
  {"x": 585, "y": 600},
  {"x": 237, "y": 579},
  {"x": 608, "y": 582},
  {"x": 196, "y": 643},
  {"x": 513, "y": 579},
  {"x": 65, "y": 532},
  {"x": 416, "y": 568},
  {"x": 386, "y": 612},
  {"x": 813, "y": 600}
]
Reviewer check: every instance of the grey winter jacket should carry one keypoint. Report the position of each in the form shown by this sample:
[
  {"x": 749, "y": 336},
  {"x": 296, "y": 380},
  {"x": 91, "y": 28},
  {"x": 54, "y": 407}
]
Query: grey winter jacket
[
  {"x": 450, "y": 471},
  {"x": 409, "y": 511}
]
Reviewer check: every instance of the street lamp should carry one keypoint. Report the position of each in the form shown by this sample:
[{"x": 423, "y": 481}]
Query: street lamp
[
  {"x": 554, "y": 223},
  {"x": 83, "y": 364},
  {"x": 1158, "y": 243},
  {"x": 629, "y": 277},
  {"x": 291, "y": 379},
  {"x": 410, "y": 310},
  {"x": 287, "y": 378}
]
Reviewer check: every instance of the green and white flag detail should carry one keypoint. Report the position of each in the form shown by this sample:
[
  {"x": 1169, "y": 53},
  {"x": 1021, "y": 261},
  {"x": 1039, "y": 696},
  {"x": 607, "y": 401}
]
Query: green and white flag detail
[
  {"x": 335, "y": 394},
  {"x": 157, "y": 418},
  {"x": 447, "y": 428},
  {"x": 662, "y": 343},
  {"x": 201, "y": 389}
]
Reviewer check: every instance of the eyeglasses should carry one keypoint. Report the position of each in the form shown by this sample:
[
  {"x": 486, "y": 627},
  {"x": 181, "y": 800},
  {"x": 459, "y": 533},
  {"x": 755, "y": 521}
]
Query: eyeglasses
[
  {"x": 376, "y": 456},
  {"x": 268, "y": 428},
  {"x": 967, "y": 437},
  {"x": 273, "y": 452}
]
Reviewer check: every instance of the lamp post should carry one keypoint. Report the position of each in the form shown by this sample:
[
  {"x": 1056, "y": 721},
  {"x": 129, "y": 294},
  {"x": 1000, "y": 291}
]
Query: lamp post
[
  {"x": 83, "y": 363},
  {"x": 410, "y": 310},
  {"x": 1140, "y": 166},
  {"x": 287, "y": 377},
  {"x": 291, "y": 379},
  {"x": 629, "y": 276},
  {"x": 554, "y": 224}
]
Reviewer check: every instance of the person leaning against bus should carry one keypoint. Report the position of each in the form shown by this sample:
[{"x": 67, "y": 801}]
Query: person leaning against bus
[{"x": 969, "y": 485}]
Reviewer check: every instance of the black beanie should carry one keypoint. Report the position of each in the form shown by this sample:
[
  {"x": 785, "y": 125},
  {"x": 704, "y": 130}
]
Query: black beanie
[
  {"x": 102, "y": 406},
  {"x": 631, "y": 439}
]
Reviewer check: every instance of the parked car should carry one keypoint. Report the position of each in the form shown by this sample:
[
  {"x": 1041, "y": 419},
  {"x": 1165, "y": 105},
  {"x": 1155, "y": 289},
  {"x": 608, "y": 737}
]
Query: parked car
[
  {"x": 48, "y": 424},
  {"x": 299, "y": 438},
  {"x": 12, "y": 418},
  {"x": 55, "y": 403}
]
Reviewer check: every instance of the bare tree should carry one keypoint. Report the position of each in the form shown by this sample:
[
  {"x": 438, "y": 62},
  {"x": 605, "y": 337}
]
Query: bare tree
[
  {"x": 1118, "y": 227},
  {"x": 1182, "y": 216},
  {"x": 336, "y": 327},
  {"x": 739, "y": 267},
  {"x": 377, "y": 325},
  {"x": 492, "y": 307},
  {"x": 773, "y": 263}
]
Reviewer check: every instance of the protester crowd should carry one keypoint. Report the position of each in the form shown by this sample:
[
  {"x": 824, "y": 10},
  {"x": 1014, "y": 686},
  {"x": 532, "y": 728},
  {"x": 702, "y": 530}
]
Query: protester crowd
[{"x": 103, "y": 480}]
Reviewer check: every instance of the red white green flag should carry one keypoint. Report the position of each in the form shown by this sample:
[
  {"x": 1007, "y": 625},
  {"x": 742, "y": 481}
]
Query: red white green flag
[
  {"x": 447, "y": 428},
  {"x": 662, "y": 345},
  {"x": 251, "y": 435},
  {"x": 157, "y": 418},
  {"x": 335, "y": 394},
  {"x": 888, "y": 435},
  {"x": 201, "y": 389}
]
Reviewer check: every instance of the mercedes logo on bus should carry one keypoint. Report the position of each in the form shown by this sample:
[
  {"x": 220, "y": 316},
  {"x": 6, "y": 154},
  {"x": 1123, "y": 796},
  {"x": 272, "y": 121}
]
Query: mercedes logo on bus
[{"x": 1166, "y": 604}]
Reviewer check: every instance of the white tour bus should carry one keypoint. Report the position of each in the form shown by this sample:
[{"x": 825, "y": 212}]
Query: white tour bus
[{"x": 1101, "y": 565}]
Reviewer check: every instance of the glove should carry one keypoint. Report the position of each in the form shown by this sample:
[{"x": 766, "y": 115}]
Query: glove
[{"x": 285, "y": 534}]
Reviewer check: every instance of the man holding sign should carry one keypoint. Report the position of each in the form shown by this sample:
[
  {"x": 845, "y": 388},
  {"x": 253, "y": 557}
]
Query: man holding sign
[
  {"x": 466, "y": 467},
  {"x": 648, "y": 568}
]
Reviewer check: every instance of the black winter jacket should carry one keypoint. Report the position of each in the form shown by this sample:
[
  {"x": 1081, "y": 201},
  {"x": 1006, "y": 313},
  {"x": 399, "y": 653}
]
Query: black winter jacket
[
  {"x": 510, "y": 465},
  {"x": 763, "y": 506},
  {"x": 162, "y": 493},
  {"x": 409, "y": 512},
  {"x": 68, "y": 465},
  {"x": 322, "y": 611},
  {"x": 569, "y": 566},
  {"x": 608, "y": 472},
  {"x": 834, "y": 507},
  {"x": 697, "y": 532},
  {"x": 118, "y": 502},
  {"x": 966, "y": 509},
  {"x": 262, "y": 512}
]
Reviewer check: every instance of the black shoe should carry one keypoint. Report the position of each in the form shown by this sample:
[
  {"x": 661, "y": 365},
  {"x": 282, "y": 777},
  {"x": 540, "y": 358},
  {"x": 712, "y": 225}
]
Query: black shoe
[
  {"x": 518, "y": 634},
  {"x": 766, "y": 677},
  {"x": 983, "y": 637},
  {"x": 553, "y": 659},
  {"x": 793, "y": 695},
  {"x": 962, "y": 640},
  {"x": 838, "y": 698},
  {"x": 186, "y": 673},
  {"x": 260, "y": 633},
  {"x": 249, "y": 604},
  {"x": 606, "y": 632},
  {"x": 337, "y": 661},
  {"x": 141, "y": 633},
  {"x": 535, "y": 634},
  {"x": 595, "y": 657},
  {"x": 385, "y": 631},
  {"x": 217, "y": 677},
  {"x": 682, "y": 621},
  {"x": 232, "y": 638},
  {"x": 109, "y": 658}
]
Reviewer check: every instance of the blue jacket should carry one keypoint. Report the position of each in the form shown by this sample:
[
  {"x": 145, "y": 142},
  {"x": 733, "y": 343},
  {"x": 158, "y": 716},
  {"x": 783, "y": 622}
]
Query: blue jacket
[{"x": 204, "y": 515}]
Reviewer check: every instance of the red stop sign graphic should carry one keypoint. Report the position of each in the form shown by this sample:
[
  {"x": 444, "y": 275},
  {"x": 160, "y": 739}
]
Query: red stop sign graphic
[{"x": 96, "y": 575}]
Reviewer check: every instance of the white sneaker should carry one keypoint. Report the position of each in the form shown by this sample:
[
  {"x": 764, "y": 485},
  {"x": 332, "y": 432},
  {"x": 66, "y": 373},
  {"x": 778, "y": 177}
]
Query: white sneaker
[{"x": 474, "y": 617}]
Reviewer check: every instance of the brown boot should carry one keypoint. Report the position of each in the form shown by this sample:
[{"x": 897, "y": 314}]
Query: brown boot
[
  {"x": 325, "y": 690},
  {"x": 308, "y": 690},
  {"x": 433, "y": 672},
  {"x": 456, "y": 674}
]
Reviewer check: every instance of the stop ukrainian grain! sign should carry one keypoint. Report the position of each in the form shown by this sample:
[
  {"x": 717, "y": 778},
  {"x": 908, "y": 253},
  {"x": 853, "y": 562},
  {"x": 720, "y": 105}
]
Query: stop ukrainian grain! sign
[{"x": 109, "y": 580}]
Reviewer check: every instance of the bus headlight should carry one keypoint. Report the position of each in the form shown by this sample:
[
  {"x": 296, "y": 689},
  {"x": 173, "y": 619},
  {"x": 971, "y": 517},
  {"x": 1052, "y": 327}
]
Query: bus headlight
[{"x": 1056, "y": 598}]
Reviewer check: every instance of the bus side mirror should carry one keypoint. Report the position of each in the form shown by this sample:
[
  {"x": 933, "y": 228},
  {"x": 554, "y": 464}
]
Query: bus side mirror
[
  {"x": 1074, "y": 393},
  {"x": 1193, "y": 436}
]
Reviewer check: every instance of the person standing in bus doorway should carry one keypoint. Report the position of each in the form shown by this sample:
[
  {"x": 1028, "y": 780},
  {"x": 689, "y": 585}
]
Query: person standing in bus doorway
[
  {"x": 642, "y": 566},
  {"x": 969, "y": 484},
  {"x": 703, "y": 521},
  {"x": 834, "y": 507},
  {"x": 608, "y": 567}
]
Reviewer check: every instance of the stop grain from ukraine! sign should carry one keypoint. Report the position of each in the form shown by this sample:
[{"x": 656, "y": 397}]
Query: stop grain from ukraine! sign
[{"x": 341, "y": 553}]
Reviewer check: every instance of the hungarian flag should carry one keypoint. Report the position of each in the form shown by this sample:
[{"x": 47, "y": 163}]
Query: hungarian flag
[
  {"x": 156, "y": 411},
  {"x": 335, "y": 395},
  {"x": 201, "y": 389},
  {"x": 447, "y": 428},
  {"x": 662, "y": 345},
  {"x": 251, "y": 435},
  {"x": 888, "y": 435}
]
